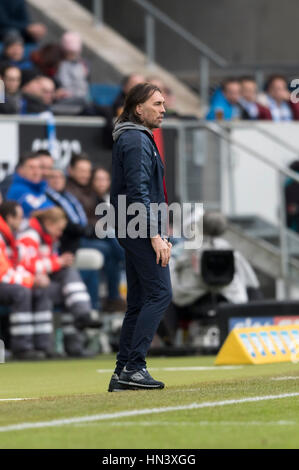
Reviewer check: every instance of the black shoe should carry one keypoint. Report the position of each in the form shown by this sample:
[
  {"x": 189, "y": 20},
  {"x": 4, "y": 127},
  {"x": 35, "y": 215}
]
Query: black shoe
[
  {"x": 87, "y": 322},
  {"x": 115, "y": 386},
  {"x": 140, "y": 379},
  {"x": 31, "y": 355}
]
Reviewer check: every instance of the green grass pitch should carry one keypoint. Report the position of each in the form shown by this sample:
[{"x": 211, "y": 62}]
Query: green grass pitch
[{"x": 223, "y": 415}]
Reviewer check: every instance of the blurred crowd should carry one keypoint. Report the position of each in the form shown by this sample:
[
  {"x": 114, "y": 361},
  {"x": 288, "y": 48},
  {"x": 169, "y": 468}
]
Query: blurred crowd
[
  {"x": 53, "y": 77},
  {"x": 46, "y": 215},
  {"x": 42, "y": 76},
  {"x": 239, "y": 98}
]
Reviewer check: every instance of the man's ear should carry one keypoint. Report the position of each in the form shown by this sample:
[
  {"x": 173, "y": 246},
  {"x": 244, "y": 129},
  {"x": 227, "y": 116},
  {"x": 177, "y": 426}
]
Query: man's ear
[{"x": 139, "y": 109}]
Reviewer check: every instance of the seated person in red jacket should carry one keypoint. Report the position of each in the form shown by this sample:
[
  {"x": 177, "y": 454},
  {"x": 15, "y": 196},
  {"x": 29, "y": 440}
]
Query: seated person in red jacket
[
  {"x": 278, "y": 100},
  {"x": 39, "y": 246},
  {"x": 30, "y": 318},
  {"x": 248, "y": 100}
]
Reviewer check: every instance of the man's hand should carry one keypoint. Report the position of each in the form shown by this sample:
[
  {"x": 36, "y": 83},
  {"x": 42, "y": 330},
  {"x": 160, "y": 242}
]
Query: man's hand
[
  {"x": 41, "y": 280},
  {"x": 162, "y": 249},
  {"x": 66, "y": 259}
]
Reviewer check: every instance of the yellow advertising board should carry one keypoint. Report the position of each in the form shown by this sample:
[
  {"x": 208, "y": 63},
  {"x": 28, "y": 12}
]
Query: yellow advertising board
[{"x": 260, "y": 345}]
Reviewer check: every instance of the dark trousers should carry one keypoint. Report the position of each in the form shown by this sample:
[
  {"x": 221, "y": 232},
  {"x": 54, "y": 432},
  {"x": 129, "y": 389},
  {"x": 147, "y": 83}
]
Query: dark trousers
[
  {"x": 31, "y": 323},
  {"x": 68, "y": 290},
  {"x": 149, "y": 294}
]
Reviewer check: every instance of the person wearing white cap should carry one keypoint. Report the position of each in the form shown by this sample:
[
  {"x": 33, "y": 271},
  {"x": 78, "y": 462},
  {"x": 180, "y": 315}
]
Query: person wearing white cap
[{"x": 73, "y": 72}]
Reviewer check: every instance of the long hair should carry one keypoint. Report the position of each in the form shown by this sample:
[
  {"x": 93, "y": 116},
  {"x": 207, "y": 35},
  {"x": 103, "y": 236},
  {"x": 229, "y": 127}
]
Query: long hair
[{"x": 137, "y": 95}]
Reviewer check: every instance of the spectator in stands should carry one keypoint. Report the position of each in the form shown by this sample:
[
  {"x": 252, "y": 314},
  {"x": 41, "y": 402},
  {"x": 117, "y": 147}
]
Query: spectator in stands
[
  {"x": 6, "y": 183},
  {"x": 38, "y": 93},
  {"x": 46, "y": 163},
  {"x": 225, "y": 102},
  {"x": 100, "y": 183},
  {"x": 11, "y": 77},
  {"x": 28, "y": 188},
  {"x": 66, "y": 286},
  {"x": 78, "y": 184},
  {"x": 77, "y": 223},
  {"x": 13, "y": 52},
  {"x": 73, "y": 72},
  {"x": 14, "y": 16},
  {"x": 190, "y": 292},
  {"x": 31, "y": 336},
  {"x": 248, "y": 101},
  {"x": 47, "y": 59},
  {"x": 32, "y": 102},
  {"x": 277, "y": 99},
  {"x": 292, "y": 199},
  {"x": 127, "y": 83}
]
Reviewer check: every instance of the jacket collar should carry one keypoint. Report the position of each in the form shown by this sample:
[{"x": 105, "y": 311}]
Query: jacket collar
[
  {"x": 41, "y": 186},
  {"x": 36, "y": 225}
]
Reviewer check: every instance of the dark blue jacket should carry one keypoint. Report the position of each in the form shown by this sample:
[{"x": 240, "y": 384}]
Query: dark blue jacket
[
  {"x": 31, "y": 196},
  {"x": 137, "y": 173},
  {"x": 13, "y": 15}
]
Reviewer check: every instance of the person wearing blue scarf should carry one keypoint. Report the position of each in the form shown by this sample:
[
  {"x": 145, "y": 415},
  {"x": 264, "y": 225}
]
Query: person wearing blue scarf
[{"x": 77, "y": 226}]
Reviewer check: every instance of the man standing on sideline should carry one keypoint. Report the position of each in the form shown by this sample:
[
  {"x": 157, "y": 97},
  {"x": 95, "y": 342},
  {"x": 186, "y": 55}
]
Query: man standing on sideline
[{"x": 138, "y": 174}]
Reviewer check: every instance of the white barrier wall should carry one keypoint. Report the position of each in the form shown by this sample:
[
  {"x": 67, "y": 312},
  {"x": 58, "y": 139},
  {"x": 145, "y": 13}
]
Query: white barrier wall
[
  {"x": 9, "y": 148},
  {"x": 248, "y": 184}
]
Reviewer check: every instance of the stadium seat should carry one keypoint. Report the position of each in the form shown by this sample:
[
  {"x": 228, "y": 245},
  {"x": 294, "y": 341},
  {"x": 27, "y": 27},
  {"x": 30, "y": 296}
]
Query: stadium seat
[
  {"x": 103, "y": 94},
  {"x": 87, "y": 258}
]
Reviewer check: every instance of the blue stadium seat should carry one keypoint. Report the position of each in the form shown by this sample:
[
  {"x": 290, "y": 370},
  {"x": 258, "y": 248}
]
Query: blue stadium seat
[{"x": 104, "y": 94}]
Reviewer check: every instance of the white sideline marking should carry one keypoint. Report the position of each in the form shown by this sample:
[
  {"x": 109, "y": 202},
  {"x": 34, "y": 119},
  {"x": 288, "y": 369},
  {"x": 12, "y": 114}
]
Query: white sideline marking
[
  {"x": 184, "y": 390},
  {"x": 285, "y": 378},
  {"x": 145, "y": 411},
  {"x": 198, "y": 423},
  {"x": 15, "y": 399},
  {"x": 174, "y": 369}
]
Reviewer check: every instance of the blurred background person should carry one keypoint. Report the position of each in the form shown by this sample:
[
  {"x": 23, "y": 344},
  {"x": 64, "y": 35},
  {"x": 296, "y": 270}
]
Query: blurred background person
[
  {"x": 127, "y": 83},
  {"x": 225, "y": 101},
  {"x": 47, "y": 59},
  {"x": 31, "y": 322},
  {"x": 277, "y": 99},
  {"x": 79, "y": 184},
  {"x": 14, "y": 16},
  {"x": 73, "y": 72},
  {"x": 100, "y": 183},
  {"x": 28, "y": 186},
  {"x": 11, "y": 77},
  {"x": 191, "y": 294},
  {"x": 14, "y": 52},
  {"x": 46, "y": 163},
  {"x": 77, "y": 223},
  {"x": 248, "y": 101},
  {"x": 66, "y": 288}
]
